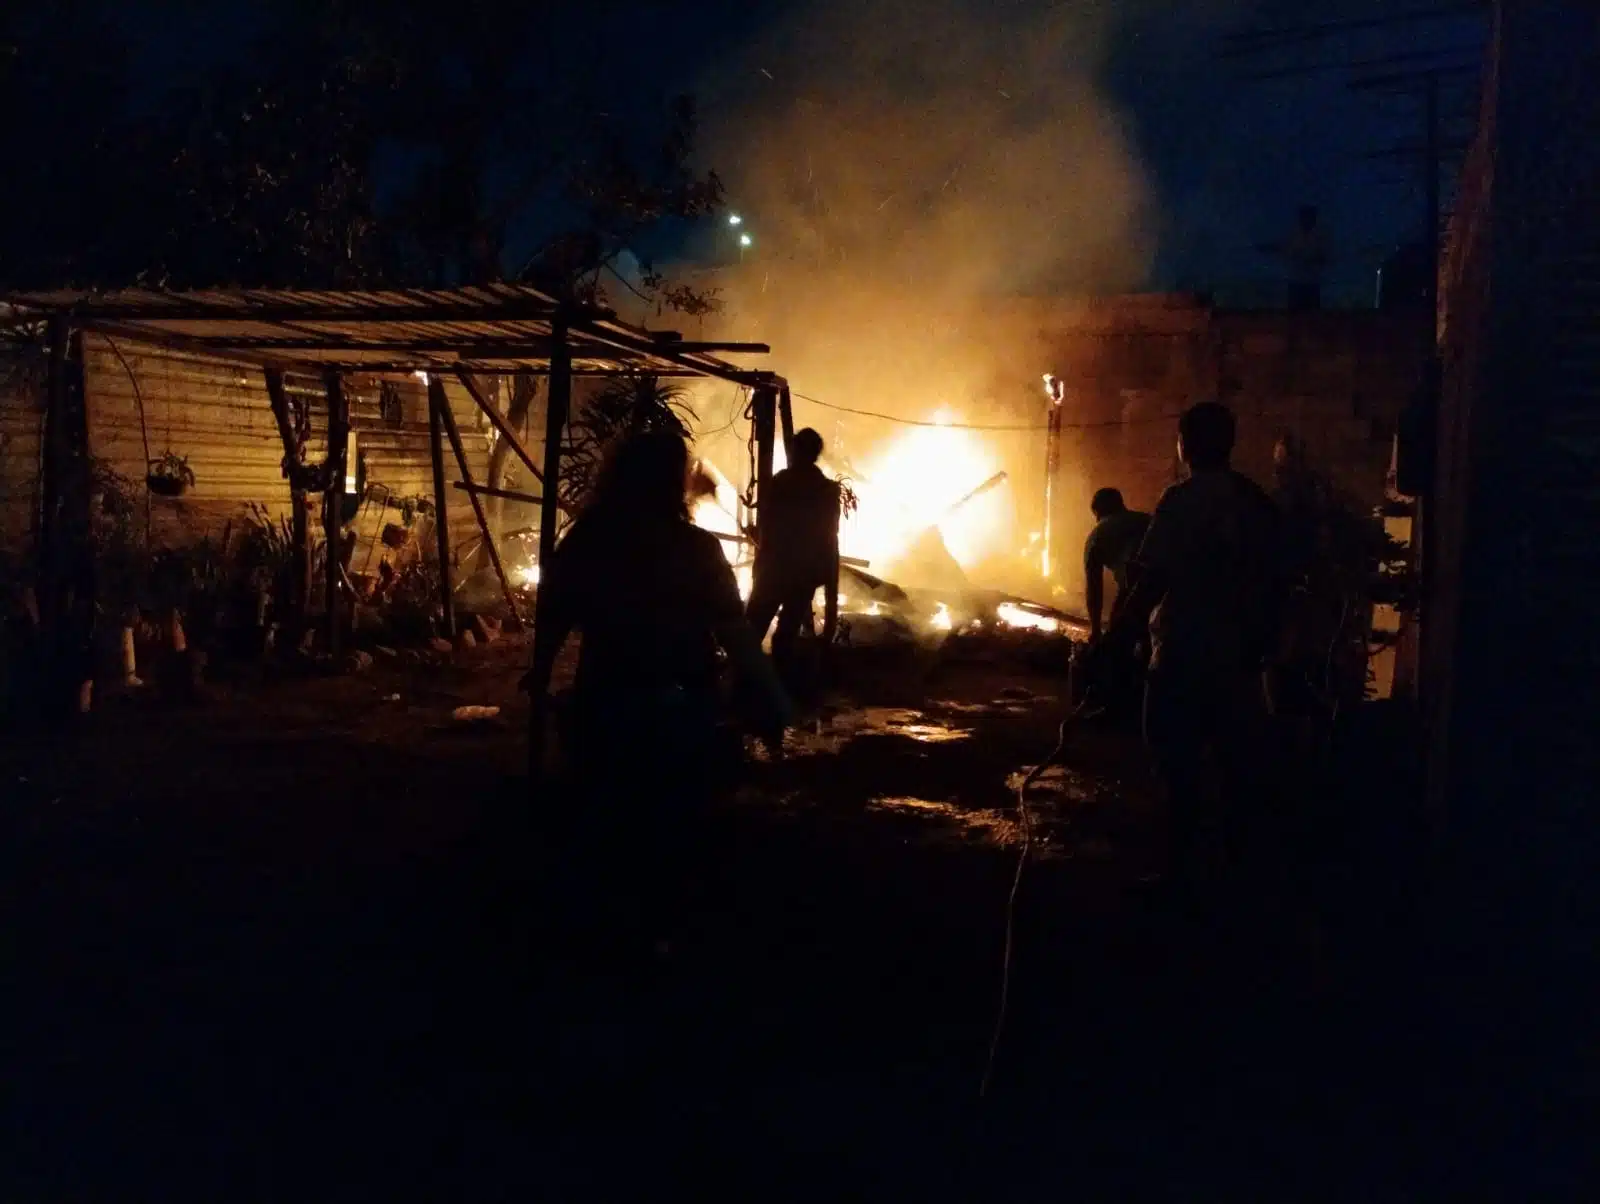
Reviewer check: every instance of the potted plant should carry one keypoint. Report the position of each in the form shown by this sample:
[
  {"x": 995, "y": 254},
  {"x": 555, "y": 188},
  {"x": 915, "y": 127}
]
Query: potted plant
[{"x": 170, "y": 475}]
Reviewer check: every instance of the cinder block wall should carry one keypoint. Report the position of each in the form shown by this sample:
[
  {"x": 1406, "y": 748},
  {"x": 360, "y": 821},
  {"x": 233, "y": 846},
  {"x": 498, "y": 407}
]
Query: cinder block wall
[{"x": 1335, "y": 380}]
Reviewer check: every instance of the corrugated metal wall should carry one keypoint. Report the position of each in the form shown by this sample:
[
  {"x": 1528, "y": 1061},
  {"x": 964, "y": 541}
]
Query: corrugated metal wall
[
  {"x": 21, "y": 433},
  {"x": 145, "y": 401}
]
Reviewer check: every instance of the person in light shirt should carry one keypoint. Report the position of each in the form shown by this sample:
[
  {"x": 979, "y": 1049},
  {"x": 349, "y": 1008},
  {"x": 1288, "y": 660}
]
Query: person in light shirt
[{"x": 1110, "y": 548}]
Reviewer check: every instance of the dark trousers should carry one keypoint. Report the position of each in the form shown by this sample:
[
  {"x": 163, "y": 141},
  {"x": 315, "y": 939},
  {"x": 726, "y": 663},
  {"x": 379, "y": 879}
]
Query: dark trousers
[
  {"x": 646, "y": 767},
  {"x": 1208, "y": 733},
  {"x": 791, "y": 606}
]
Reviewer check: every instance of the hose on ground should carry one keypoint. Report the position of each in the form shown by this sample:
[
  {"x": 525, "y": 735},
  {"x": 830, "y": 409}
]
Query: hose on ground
[{"x": 1025, "y": 818}]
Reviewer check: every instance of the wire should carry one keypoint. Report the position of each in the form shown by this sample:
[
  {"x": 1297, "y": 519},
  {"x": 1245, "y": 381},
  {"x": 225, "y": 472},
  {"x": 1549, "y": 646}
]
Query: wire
[
  {"x": 144, "y": 433},
  {"x": 1026, "y": 818},
  {"x": 980, "y": 426}
]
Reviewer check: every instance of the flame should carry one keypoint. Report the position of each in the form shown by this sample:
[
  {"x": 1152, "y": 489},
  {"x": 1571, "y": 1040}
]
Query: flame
[
  {"x": 912, "y": 481},
  {"x": 529, "y": 574},
  {"x": 1013, "y": 615},
  {"x": 941, "y": 620}
]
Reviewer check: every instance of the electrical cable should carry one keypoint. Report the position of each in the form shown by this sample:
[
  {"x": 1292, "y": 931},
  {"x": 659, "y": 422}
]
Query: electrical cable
[
  {"x": 1063, "y": 732},
  {"x": 982, "y": 426},
  {"x": 144, "y": 433}
]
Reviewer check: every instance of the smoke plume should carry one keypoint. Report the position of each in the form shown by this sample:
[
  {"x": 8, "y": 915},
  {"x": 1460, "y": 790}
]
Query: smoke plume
[
  {"x": 902, "y": 169},
  {"x": 901, "y": 166}
]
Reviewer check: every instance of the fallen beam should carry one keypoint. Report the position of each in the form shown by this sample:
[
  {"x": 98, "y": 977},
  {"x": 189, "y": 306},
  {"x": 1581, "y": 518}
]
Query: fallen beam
[
  {"x": 727, "y": 537},
  {"x": 511, "y": 495}
]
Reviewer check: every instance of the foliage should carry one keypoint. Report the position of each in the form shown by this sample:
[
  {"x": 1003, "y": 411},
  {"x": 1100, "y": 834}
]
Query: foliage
[
  {"x": 626, "y": 404},
  {"x": 351, "y": 143},
  {"x": 411, "y": 507},
  {"x": 849, "y": 500},
  {"x": 172, "y": 467},
  {"x": 121, "y": 554},
  {"x": 267, "y": 554}
]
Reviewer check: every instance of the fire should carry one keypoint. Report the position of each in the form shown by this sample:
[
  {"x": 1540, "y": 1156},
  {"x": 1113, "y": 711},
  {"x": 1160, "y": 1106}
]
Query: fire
[
  {"x": 941, "y": 620},
  {"x": 529, "y": 574},
  {"x": 911, "y": 483},
  {"x": 1013, "y": 615}
]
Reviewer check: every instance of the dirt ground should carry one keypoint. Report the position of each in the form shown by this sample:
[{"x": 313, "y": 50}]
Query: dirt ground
[{"x": 317, "y": 940}]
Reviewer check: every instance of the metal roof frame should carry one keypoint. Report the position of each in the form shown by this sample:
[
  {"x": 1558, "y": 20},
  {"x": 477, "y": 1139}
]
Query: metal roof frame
[{"x": 492, "y": 328}]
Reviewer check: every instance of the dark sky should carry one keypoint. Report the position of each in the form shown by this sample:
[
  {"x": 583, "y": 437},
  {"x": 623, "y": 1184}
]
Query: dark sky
[{"x": 1228, "y": 159}]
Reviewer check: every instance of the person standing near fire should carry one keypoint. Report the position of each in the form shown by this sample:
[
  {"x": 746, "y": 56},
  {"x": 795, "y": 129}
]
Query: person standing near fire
[
  {"x": 1208, "y": 582},
  {"x": 653, "y": 597},
  {"x": 1112, "y": 542},
  {"x": 797, "y": 551}
]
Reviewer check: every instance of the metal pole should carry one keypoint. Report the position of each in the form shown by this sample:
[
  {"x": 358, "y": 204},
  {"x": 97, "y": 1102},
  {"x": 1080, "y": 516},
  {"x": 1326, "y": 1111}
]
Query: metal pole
[
  {"x": 51, "y": 538},
  {"x": 558, "y": 399},
  {"x": 1052, "y": 464},
  {"x": 332, "y": 504},
  {"x": 441, "y": 511},
  {"x": 766, "y": 422}
]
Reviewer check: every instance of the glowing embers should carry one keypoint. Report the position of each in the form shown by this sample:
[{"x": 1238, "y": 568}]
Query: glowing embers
[{"x": 1014, "y": 615}]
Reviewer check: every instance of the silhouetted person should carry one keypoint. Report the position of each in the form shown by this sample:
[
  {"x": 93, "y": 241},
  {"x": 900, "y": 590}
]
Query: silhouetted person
[
  {"x": 1110, "y": 548},
  {"x": 653, "y": 596},
  {"x": 1208, "y": 579},
  {"x": 1305, "y": 256},
  {"x": 797, "y": 551}
]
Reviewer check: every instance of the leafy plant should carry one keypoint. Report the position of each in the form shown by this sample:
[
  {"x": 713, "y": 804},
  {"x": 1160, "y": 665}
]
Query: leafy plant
[
  {"x": 411, "y": 507},
  {"x": 627, "y": 404},
  {"x": 170, "y": 473}
]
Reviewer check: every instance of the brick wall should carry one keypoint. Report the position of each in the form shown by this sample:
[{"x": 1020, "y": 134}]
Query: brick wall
[{"x": 1336, "y": 380}]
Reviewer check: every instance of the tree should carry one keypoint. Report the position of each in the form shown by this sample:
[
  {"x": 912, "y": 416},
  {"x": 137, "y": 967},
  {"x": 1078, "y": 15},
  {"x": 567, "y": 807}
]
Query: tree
[{"x": 357, "y": 143}]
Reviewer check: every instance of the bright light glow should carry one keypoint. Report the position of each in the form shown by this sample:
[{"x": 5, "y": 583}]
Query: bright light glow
[
  {"x": 1013, "y": 615},
  {"x": 941, "y": 620},
  {"x": 912, "y": 481},
  {"x": 874, "y": 609},
  {"x": 745, "y": 240},
  {"x": 529, "y": 574},
  {"x": 734, "y": 219},
  {"x": 1055, "y": 388},
  {"x": 745, "y": 578},
  {"x": 421, "y": 375}
]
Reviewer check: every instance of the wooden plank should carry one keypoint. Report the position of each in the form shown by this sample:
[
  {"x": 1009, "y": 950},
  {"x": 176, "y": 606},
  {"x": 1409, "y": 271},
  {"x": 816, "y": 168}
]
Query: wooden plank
[
  {"x": 499, "y": 424},
  {"x": 511, "y": 495}
]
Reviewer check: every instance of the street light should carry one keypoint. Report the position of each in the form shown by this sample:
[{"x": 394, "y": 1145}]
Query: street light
[
  {"x": 735, "y": 220},
  {"x": 745, "y": 240}
]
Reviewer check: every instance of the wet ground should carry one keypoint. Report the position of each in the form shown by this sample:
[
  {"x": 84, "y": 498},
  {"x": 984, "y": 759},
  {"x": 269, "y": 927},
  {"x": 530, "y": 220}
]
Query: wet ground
[{"x": 315, "y": 940}]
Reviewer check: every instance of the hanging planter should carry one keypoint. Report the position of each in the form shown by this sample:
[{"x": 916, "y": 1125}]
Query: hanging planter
[{"x": 170, "y": 476}]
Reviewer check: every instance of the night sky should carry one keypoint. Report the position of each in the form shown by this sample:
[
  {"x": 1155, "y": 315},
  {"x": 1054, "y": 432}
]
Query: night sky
[{"x": 1228, "y": 160}]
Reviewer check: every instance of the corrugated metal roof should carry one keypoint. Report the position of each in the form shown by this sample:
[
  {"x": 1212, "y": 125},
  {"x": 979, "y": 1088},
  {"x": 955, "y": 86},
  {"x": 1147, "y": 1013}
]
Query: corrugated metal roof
[{"x": 485, "y": 328}]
